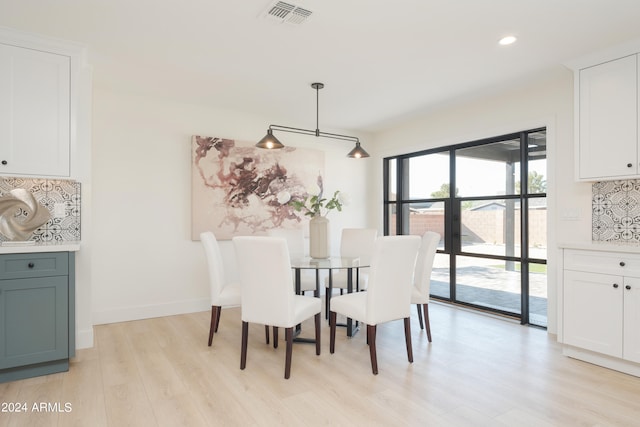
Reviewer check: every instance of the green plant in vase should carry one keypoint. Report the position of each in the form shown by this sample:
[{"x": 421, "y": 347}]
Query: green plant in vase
[
  {"x": 314, "y": 206},
  {"x": 317, "y": 208}
]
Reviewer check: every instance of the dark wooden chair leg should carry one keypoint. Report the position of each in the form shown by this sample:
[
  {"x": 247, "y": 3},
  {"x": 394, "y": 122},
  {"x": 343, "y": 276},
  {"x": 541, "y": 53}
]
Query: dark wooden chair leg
[
  {"x": 275, "y": 337},
  {"x": 266, "y": 333},
  {"x": 371, "y": 335},
  {"x": 326, "y": 303},
  {"x": 317, "y": 322},
  {"x": 327, "y": 296},
  {"x": 243, "y": 350},
  {"x": 332, "y": 332},
  {"x": 288, "y": 333},
  {"x": 407, "y": 337},
  {"x": 367, "y": 337},
  {"x": 425, "y": 307},
  {"x": 218, "y": 318},
  {"x": 420, "y": 316},
  {"x": 214, "y": 322}
]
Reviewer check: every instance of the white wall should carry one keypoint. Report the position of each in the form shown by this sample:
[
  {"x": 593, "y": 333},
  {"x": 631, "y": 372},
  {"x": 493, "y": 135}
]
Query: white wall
[
  {"x": 143, "y": 262},
  {"x": 546, "y": 102}
]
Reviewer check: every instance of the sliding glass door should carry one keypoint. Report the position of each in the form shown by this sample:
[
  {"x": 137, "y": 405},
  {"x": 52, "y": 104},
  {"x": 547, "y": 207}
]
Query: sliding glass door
[{"x": 487, "y": 199}]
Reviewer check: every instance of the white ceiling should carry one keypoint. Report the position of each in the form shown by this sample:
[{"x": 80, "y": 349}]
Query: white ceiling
[{"x": 381, "y": 61}]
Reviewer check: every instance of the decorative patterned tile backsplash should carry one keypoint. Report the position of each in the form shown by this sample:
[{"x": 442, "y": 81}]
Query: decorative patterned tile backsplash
[
  {"x": 616, "y": 211},
  {"x": 65, "y": 193}
]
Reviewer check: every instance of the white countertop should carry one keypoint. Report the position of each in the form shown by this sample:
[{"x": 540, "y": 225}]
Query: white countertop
[
  {"x": 623, "y": 247},
  {"x": 41, "y": 247}
]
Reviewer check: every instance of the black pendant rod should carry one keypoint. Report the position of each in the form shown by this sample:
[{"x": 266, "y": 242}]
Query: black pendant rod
[{"x": 317, "y": 87}]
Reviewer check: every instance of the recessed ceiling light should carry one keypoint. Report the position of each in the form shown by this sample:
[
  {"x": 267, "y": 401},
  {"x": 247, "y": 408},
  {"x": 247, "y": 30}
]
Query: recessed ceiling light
[{"x": 507, "y": 40}]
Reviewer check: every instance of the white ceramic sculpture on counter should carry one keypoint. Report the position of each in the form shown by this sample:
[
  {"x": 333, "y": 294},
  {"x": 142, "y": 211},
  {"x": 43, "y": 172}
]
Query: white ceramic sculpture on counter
[{"x": 17, "y": 225}]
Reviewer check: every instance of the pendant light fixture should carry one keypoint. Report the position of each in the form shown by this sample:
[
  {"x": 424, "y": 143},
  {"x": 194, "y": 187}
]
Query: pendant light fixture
[{"x": 271, "y": 142}]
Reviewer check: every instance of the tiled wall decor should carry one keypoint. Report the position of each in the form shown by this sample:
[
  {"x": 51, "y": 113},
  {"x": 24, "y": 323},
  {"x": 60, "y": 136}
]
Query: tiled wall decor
[
  {"x": 64, "y": 224},
  {"x": 616, "y": 211}
]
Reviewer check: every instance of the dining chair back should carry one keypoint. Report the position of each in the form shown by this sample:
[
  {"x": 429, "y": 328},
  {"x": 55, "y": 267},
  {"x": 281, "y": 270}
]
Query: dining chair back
[
  {"x": 388, "y": 296},
  {"x": 422, "y": 277},
  {"x": 223, "y": 292},
  {"x": 294, "y": 238},
  {"x": 358, "y": 242},
  {"x": 354, "y": 243},
  {"x": 266, "y": 288},
  {"x": 264, "y": 267},
  {"x": 296, "y": 243}
]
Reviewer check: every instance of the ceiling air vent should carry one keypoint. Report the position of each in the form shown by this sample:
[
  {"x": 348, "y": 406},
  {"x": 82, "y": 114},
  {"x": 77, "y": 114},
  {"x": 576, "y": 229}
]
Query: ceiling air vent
[{"x": 288, "y": 13}]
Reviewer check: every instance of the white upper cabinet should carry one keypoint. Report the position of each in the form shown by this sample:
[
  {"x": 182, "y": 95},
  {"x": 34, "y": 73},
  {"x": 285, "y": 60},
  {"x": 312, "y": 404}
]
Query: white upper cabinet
[
  {"x": 608, "y": 120},
  {"x": 45, "y": 105},
  {"x": 35, "y": 107},
  {"x": 607, "y": 113}
]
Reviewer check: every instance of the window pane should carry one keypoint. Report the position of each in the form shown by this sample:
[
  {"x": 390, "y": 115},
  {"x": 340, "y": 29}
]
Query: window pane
[
  {"x": 428, "y": 216},
  {"x": 393, "y": 173},
  {"x": 538, "y": 228},
  {"x": 427, "y": 176},
  {"x": 393, "y": 220},
  {"x": 489, "y": 283},
  {"x": 440, "y": 276},
  {"x": 538, "y": 294},
  {"x": 537, "y": 155},
  {"x": 491, "y": 227},
  {"x": 488, "y": 170}
]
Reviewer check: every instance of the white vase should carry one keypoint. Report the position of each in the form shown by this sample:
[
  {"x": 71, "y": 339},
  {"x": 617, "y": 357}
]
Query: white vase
[{"x": 319, "y": 243}]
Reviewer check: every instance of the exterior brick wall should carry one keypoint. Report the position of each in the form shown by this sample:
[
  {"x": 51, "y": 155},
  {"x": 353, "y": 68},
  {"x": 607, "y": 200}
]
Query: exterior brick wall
[{"x": 483, "y": 226}]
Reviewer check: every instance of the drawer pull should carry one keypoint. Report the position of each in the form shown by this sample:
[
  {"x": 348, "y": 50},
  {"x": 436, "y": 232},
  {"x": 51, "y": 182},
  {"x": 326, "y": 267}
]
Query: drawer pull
[
  {"x": 615, "y": 285},
  {"x": 4, "y": 162},
  {"x": 31, "y": 265},
  {"x": 628, "y": 287},
  {"x": 622, "y": 264},
  {"x": 629, "y": 165}
]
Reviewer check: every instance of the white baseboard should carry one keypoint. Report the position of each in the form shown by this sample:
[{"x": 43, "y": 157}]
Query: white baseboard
[
  {"x": 125, "y": 314},
  {"x": 614, "y": 363}
]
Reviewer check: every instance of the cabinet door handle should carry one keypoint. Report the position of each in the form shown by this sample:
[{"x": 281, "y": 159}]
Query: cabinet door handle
[
  {"x": 4, "y": 162},
  {"x": 628, "y": 287},
  {"x": 629, "y": 165},
  {"x": 31, "y": 265},
  {"x": 622, "y": 264},
  {"x": 615, "y": 285}
]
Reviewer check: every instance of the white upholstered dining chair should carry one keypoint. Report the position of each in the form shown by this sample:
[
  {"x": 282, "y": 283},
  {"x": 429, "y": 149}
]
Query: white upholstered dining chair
[
  {"x": 266, "y": 288},
  {"x": 422, "y": 277},
  {"x": 354, "y": 243},
  {"x": 223, "y": 292},
  {"x": 295, "y": 242},
  {"x": 388, "y": 295}
]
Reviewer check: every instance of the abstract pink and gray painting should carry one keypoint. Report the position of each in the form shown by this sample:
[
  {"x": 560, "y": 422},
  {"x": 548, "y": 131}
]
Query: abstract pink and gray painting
[{"x": 238, "y": 189}]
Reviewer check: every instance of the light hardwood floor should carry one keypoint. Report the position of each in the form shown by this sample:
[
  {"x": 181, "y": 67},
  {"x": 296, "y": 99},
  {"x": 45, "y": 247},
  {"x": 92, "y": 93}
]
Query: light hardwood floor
[{"x": 478, "y": 371}]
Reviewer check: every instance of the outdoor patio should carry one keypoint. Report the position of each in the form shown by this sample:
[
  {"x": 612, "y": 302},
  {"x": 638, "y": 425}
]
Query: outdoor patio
[{"x": 494, "y": 288}]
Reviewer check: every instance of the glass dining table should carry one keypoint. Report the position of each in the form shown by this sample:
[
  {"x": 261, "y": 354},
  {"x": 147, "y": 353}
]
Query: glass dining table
[{"x": 330, "y": 264}]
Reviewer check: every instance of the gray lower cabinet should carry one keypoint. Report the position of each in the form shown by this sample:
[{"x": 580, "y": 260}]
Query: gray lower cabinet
[{"x": 37, "y": 321}]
